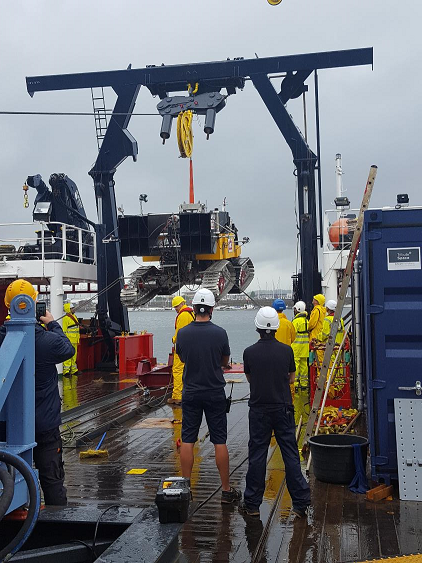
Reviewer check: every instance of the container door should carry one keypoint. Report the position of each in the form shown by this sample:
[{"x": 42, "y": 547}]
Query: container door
[{"x": 393, "y": 325}]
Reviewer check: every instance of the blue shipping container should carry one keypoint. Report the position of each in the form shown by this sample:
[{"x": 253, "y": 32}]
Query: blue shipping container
[{"x": 391, "y": 283}]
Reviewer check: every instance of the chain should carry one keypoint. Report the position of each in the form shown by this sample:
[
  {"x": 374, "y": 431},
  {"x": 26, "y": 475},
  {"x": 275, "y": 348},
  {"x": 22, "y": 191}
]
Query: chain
[{"x": 25, "y": 195}]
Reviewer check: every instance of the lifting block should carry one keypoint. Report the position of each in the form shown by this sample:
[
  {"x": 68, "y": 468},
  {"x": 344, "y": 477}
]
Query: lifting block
[{"x": 379, "y": 493}]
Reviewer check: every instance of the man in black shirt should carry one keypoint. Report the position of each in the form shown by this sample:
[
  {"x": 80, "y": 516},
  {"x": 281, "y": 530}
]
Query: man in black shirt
[
  {"x": 204, "y": 348},
  {"x": 270, "y": 367}
]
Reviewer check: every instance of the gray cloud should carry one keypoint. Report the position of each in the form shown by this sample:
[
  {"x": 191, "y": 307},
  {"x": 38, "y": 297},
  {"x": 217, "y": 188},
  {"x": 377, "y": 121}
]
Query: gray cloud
[{"x": 370, "y": 117}]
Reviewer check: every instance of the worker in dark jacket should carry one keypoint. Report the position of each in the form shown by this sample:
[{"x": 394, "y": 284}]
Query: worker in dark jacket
[
  {"x": 51, "y": 347},
  {"x": 270, "y": 367}
]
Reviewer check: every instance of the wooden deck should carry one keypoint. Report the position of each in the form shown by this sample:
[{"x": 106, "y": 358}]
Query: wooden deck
[{"x": 341, "y": 526}]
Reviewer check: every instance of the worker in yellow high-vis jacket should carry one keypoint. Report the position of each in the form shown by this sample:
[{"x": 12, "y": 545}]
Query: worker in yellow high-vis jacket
[
  {"x": 326, "y": 326},
  {"x": 301, "y": 344},
  {"x": 185, "y": 316},
  {"x": 71, "y": 330}
]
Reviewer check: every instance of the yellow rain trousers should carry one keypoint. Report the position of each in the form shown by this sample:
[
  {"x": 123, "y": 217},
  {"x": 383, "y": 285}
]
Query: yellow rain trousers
[
  {"x": 184, "y": 318},
  {"x": 301, "y": 349},
  {"x": 71, "y": 330}
]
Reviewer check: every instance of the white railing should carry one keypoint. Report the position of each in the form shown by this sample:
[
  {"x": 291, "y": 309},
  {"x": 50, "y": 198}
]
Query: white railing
[{"x": 52, "y": 241}]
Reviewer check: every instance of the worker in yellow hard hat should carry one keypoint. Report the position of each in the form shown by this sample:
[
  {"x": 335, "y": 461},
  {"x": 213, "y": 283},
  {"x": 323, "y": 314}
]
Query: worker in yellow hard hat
[
  {"x": 317, "y": 316},
  {"x": 51, "y": 348},
  {"x": 71, "y": 330},
  {"x": 184, "y": 316}
]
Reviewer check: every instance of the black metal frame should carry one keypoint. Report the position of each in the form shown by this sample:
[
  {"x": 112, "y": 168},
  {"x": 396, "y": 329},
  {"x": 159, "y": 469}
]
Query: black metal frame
[{"x": 161, "y": 80}]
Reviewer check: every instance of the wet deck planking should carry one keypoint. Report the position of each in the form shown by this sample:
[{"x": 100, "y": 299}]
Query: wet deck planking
[{"x": 341, "y": 526}]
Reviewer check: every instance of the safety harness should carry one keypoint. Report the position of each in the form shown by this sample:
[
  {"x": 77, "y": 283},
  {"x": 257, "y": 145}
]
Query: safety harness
[{"x": 188, "y": 310}]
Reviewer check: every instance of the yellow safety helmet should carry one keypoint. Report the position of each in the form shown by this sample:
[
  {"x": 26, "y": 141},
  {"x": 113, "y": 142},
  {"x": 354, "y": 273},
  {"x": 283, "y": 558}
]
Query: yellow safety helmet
[
  {"x": 178, "y": 300},
  {"x": 274, "y": 2},
  {"x": 320, "y": 299},
  {"x": 19, "y": 287}
]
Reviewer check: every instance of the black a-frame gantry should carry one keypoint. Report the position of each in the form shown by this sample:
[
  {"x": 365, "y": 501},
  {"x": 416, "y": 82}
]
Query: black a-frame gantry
[{"x": 206, "y": 80}]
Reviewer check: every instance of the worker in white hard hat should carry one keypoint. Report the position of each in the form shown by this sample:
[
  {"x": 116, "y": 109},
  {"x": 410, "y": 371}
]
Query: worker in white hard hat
[
  {"x": 270, "y": 367},
  {"x": 184, "y": 316},
  {"x": 204, "y": 348},
  {"x": 300, "y": 345},
  {"x": 326, "y": 327},
  {"x": 70, "y": 326}
]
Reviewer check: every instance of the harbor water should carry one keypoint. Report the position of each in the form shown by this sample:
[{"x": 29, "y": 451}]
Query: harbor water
[{"x": 239, "y": 324}]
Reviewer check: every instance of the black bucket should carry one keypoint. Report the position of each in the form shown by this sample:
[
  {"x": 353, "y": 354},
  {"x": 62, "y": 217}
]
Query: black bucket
[{"x": 333, "y": 458}]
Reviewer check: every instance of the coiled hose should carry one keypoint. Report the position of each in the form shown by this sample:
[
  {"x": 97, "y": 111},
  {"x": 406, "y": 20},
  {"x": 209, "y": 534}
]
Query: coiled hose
[{"x": 31, "y": 480}]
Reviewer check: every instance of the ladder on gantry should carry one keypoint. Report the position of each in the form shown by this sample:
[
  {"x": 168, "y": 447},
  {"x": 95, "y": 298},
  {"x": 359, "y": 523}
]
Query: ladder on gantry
[
  {"x": 340, "y": 304},
  {"x": 100, "y": 114}
]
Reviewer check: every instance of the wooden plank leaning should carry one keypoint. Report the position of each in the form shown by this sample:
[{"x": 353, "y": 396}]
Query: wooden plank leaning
[{"x": 340, "y": 304}]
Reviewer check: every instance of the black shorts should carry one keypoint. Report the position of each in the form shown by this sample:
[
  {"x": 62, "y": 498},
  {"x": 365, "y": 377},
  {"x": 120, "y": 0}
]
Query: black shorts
[{"x": 214, "y": 407}]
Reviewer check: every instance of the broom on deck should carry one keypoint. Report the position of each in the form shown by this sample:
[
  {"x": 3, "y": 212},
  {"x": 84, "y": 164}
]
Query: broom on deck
[{"x": 95, "y": 453}]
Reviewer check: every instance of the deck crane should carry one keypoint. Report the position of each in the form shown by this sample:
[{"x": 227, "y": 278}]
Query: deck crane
[{"x": 212, "y": 77}]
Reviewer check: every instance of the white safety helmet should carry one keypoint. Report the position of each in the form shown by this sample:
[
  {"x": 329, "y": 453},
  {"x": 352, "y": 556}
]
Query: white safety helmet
[
  {"x": 204, "y": 297},
  {"x": 331, "y": 304},
  {"x": 267, "y": 318},
  {"x": 300, "y": 306}
]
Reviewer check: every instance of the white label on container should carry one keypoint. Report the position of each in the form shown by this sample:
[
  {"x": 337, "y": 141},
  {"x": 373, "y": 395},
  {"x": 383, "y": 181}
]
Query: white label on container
[{"x": 404, "y": 258}]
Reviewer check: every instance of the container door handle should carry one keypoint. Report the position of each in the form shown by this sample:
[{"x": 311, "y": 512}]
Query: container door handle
[{"x": 417, "y": 388}]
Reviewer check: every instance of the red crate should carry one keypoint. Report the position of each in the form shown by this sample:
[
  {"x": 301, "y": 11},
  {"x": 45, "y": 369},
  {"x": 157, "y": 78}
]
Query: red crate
[{"x": 132, "y": 349}]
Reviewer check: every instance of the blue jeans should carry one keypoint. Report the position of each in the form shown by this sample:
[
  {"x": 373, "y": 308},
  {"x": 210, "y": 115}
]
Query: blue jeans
[{"x": 262, "y": 422}]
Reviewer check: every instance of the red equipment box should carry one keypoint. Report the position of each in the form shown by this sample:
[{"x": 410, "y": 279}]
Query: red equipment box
[{"x": 132, "y": 349}]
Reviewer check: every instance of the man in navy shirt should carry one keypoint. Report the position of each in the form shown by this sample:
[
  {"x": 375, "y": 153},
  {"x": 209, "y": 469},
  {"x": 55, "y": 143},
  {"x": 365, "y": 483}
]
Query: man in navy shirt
[
  {"x": 204, "y": 349},
  {"x": 270, "y": 367}
]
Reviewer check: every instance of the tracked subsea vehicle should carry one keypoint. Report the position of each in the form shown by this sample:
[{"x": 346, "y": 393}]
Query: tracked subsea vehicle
[{"x": 194, "y": 247}]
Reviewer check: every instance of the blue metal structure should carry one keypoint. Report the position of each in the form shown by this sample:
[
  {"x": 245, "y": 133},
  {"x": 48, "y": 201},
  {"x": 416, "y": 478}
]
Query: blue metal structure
[
  {"x": 391, "y": 284},
  {"x": 17, "y": 389},
  {"x": 212, "y": 77}
]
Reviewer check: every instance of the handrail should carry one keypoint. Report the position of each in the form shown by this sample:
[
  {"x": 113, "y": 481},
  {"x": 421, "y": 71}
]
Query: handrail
[{"x": 53, "y": 241}]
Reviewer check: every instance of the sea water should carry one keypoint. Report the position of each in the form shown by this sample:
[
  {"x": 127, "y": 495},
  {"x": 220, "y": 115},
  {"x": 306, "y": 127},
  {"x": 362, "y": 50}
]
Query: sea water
[{"x": 239, "y": 325}]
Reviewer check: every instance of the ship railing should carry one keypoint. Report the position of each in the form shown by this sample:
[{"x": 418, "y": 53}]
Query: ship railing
[{"x": 52, "y": 241}]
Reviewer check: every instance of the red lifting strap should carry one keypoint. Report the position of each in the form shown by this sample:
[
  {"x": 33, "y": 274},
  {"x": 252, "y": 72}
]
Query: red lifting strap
[{"x": 191, "y": 194}]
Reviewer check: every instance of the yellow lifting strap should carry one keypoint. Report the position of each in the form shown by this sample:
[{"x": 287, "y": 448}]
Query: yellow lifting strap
[
  {"x": 195, "y": 90},
  {"x": 184, "y": 133}
]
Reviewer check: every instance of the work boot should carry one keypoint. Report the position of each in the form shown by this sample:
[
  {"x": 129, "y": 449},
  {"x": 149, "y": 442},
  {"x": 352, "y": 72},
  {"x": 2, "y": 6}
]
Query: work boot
[
  {"x": 228, "y": 497},
  {"x": 248, "y": 510},
  {"x": 300, "y": 512},
  {"x": 172, "y": 401}
]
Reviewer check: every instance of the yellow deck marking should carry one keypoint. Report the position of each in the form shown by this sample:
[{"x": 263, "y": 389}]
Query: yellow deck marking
[
  {"x": 136, "y": 471},
  {"x": 415, "y": 558}
]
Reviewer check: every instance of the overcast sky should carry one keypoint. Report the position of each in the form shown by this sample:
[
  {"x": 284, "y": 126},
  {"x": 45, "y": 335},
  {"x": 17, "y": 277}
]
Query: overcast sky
[{"x": 368, "y": 116}]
